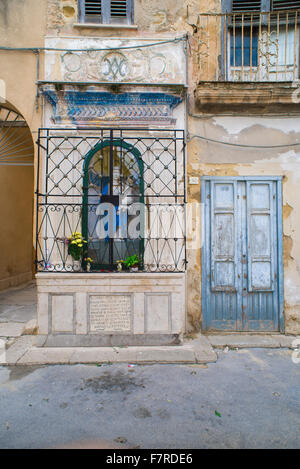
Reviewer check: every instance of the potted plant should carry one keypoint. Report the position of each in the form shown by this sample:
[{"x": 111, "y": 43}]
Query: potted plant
[
  {"x": 76, "y": 245},
  {"x": 88, "y": 262},
  {"x": 132, "y": 263},
  {"x": 120, "y": 265}
]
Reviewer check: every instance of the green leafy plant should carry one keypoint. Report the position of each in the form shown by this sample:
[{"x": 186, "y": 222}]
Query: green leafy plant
[{"x": 132, "y": 261}]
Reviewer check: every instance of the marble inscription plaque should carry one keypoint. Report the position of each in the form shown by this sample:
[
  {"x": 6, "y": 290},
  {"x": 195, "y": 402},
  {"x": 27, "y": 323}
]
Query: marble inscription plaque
[{"x": 110, "y": 313}]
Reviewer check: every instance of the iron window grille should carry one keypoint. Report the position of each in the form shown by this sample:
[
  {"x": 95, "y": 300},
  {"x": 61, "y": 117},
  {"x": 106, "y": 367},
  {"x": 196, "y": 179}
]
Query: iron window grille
[
  {"x": 260, "y": 40},
  {"x": 138, "y": 173},
  {"x": 106, "y": 11}
]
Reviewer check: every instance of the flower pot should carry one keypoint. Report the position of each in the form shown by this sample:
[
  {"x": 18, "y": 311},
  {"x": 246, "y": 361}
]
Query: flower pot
[
  {"x": 76, "y": 266},
  {"x": 134, "y": 268},
  {"x": 88, "y": 267}
]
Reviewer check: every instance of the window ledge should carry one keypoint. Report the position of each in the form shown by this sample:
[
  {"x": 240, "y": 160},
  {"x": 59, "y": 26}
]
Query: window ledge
[
  {"x": 105, "y": 26},
  {"x": 248, "y": 97}
]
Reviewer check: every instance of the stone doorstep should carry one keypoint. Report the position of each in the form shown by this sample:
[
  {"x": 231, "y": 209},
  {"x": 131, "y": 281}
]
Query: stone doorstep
[
  {"x": 18, "y": 329},
  {"x": 25, "y": 351},
  {"x": 29, "y": 350},
  {"x": 11, "y": 329},
  {"x": 233, "y": 341}
]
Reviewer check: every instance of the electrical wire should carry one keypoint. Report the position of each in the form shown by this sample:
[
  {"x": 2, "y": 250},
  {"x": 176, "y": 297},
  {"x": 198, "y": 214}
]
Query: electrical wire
[{"x": 96, "y": 49}]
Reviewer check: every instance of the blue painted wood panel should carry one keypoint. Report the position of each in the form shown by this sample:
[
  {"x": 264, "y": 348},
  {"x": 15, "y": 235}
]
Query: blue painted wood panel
[{"x": 242, "y": 254}]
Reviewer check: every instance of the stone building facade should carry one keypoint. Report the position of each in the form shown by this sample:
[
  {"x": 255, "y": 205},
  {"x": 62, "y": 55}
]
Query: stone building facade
[{"x": 190, "y": 109}]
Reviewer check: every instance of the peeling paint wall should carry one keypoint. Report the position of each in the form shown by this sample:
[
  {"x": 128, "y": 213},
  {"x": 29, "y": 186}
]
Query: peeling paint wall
[
  {"x": 207, "y": 158},
  {"x": 153, "y": 17}
]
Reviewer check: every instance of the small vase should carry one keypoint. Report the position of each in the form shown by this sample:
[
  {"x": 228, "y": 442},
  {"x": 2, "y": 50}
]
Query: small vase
[
  {"x": 88, "y": 267},
  {"x": 119, "y": 267},
  {"x": 76, "y": 266},
  {"x": 134, "y": 269}
]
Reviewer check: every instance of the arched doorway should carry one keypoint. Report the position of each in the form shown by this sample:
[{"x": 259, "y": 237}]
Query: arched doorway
[
  {"x": 16, "y": 198},
  {"x": 113, "y": 174}
]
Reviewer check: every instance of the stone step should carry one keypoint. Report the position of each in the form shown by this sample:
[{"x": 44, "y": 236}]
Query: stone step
[
  {"x": 26, "y": 352},
  {"x": 233, "y": 341}
]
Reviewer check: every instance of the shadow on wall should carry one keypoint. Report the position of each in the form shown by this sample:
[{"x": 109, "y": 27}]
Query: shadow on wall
[{"x": 16, "y": 198}]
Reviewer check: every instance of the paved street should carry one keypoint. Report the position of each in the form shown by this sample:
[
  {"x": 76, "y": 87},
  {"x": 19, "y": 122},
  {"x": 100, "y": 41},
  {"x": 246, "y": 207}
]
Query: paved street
[
  {"x": 18, "y": 305},
  {"x": 247, "y": 399}
]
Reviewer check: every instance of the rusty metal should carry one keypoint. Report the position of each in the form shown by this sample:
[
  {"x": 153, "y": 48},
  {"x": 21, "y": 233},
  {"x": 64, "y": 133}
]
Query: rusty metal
[{"x": 250, "y": 46}]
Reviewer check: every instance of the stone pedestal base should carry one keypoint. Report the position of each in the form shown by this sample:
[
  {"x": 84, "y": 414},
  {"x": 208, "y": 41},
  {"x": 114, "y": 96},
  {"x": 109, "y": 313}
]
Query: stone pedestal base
[{"x": 117, "y": 309}]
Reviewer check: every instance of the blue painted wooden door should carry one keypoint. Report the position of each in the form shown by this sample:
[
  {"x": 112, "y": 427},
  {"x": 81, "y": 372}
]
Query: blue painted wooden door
[{"x": 241, "y": 256}]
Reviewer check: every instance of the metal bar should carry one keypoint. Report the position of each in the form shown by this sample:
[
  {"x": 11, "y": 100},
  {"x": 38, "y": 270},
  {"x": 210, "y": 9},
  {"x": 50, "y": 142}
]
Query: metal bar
[
  {"x": 225, "y": 47},
  {"x": 111, "y": 175},
  {"x": 277, "y": 58},
  {"x": 259, "y": 48},
  {"x": 285, "y": 50},
  {"x": 121, "y": 162},
  {"x": 247, "y": 12},
  {"x": 295, "y": 45},
  {"x": 242, "y": 47},
  {"x": 268, "y": 64},
  {"x": 119, "y": 83},
  {"x": 251, "y": 39},
  {"x": 234, "y": 41},
  {"x": 47, "y": 163},
  {"x": 37, "y": 78},
  {"x": 37, "y": 204},
  {"x": 138, "y": 129}
]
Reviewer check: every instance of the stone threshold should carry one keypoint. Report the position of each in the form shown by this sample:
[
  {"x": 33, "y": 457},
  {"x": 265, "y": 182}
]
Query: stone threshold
[
  {"x": 25, "y": 351},
  {"x": 233, "y": 341},
  {"x": 108, "y": 340}
]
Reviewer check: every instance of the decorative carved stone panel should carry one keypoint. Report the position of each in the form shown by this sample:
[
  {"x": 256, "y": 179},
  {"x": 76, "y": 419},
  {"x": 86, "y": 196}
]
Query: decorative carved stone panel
[
  {"x": 91, "y": 107},
  {"x": 124, "y": 61}
]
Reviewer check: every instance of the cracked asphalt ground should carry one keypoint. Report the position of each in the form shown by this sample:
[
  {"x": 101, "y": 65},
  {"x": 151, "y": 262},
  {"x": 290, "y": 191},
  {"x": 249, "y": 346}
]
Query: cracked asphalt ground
[{"x": 248, "y": 399}]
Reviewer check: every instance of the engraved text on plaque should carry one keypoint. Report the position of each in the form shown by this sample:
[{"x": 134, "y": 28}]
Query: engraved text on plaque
[{"x": 110, "y": 313}]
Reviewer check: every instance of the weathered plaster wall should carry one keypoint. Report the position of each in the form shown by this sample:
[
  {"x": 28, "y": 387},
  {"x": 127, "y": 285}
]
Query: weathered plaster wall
[
  {"x": 16, "y": 210},
  {"x": 152, "y": 17},
  {"x": 22, "y": 24},
  {"x": 219, "y": 160}
]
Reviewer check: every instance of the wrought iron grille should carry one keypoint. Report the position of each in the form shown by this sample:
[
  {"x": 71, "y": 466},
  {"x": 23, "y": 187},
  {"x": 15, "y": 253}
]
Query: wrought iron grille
[
  {"x": 123, "y": 190},
  {"x": 248, "y": 46}
]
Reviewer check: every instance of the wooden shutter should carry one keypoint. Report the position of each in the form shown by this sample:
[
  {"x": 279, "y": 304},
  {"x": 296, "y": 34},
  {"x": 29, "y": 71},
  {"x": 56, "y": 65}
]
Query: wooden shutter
[
  {"x": 223, "y": 236},
  {"x": 121, "y": 11},
  {"x": 118, "y": 8},
  {"x": 238, "y": 5},
  {"x": 93, "y": 11},
  {"x": 261, "y": 198},
  {"x": 246, "y": 10},
  {"x": 278, "y": 5},
  {"x": 106, "y": 11}
]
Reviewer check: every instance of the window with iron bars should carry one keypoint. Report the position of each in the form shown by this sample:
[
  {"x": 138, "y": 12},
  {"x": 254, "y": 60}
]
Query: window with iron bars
[
  {"x": 122, "y": 190},
  {"x": 106, "y": 11},
  {"x": 262, "y": 40}
]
